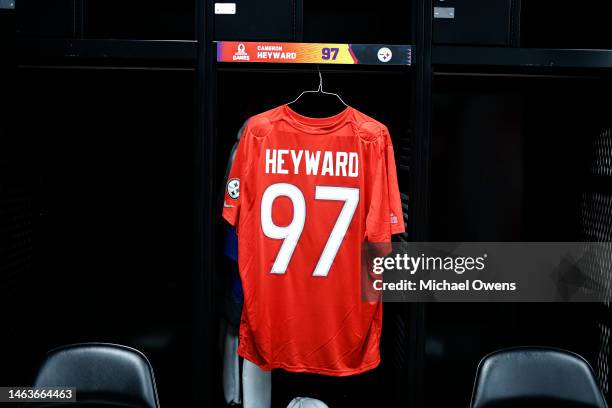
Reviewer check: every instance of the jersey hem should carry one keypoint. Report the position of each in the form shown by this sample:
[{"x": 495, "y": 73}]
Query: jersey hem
[{"x": 312, "y": 370}]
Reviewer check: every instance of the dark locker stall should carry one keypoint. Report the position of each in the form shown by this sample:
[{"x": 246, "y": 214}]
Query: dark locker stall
[
  {"x": 385, "y": 93},
  {"x": 518, "y": 155},
  {"x": 518, "y": 148},
  {"x": 98, "y": 189},
  {"x": 257, "y": 96},
  {"x": 113, "y": 192},
  {"x": 111, "y": 214}
]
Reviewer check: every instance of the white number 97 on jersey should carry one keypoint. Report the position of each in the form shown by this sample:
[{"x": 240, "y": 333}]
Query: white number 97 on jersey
[{"x": 291, "y": 233}]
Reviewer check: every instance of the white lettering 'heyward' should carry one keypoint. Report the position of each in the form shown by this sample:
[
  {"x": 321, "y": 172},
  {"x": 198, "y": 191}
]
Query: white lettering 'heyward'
[{"x": 324, "y": 163}]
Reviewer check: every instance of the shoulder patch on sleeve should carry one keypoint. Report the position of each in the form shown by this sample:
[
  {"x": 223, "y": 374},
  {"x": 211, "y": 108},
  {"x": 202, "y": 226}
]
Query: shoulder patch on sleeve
[
  {"x": 370, "y": 131},
  {"x": 260, "y": 126}
]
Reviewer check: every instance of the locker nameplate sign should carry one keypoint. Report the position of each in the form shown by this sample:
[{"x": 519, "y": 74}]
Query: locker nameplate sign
[
  {"x": 444, "y": 12},
  {"x": 225, "y": 8},
  {"x": 313, "y": 53},
  {"x": 7, "y": 4}
]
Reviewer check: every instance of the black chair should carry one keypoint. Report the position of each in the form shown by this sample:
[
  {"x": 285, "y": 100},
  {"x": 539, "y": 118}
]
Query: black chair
[
  {"x": 103, "y": 375},
  {"x": 535, "y": 377}
]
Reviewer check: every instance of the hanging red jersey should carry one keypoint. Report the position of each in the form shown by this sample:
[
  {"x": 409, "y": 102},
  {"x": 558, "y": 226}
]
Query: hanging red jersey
[{"x": 304, "y": 193}]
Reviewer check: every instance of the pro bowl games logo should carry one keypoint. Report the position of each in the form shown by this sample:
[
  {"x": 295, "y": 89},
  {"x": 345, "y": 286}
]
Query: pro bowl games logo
[
  {"x": 233, "y": 188},
  {"x": 384, "y": 54},
  {"x": 241, "y": 54}
]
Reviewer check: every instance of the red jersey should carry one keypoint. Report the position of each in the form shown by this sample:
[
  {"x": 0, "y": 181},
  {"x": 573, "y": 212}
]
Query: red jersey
[{"x": 304, "y": 193}]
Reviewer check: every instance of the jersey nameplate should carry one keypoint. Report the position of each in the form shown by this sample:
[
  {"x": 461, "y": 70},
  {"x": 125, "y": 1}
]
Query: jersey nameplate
[{"x": 305, "y": 162}]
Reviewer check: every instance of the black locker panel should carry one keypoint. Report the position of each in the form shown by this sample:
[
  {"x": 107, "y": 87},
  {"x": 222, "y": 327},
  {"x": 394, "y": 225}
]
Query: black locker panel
[
  {"x": 476, "y": 22},
  {"x": 554, "y": 24},
  {"x": 261, "y": 20},
  {"x": 48, "y": 19},
  {"x": 140, "y": 19},
  {"x": 135, "y": 19},
  {"x": 358, "y": 22},
  {"x": 317, "y": 21}
]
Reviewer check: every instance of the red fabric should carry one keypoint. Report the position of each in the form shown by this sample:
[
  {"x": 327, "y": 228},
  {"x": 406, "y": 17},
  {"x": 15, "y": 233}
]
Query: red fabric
[{"x": 292, "y": 319}]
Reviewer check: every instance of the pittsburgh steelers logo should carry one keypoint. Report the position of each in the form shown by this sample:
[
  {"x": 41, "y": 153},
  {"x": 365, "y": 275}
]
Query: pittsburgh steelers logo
[
  {"x": 384, "y": 54},
  {"x": 233, "y": 188}
]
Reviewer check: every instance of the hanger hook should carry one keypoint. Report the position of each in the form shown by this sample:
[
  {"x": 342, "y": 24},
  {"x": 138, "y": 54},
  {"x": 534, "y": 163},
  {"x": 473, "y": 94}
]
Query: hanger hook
[{"x": 320, "y": 89}]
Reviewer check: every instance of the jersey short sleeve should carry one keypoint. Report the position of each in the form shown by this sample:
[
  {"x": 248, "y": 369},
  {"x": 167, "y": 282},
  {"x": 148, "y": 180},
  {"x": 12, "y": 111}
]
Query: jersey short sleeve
[
  {"x": 385, "y": 215},
  {"x": 233, "y": 198}
]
